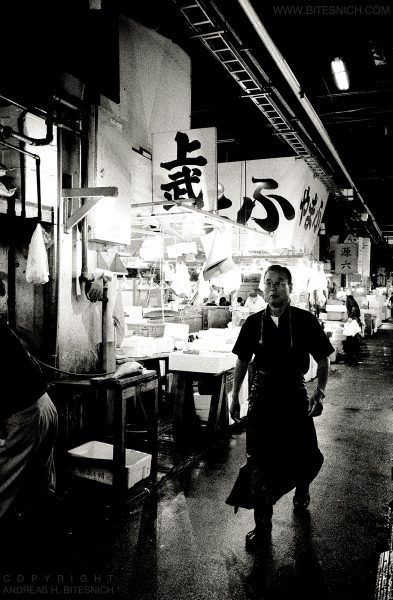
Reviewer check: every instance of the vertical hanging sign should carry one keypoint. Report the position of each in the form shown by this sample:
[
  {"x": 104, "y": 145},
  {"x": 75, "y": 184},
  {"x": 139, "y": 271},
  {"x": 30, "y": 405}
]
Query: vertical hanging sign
[
  {"x": 364, "y": 257},
  {"x": 185, "y": 168},
  {"x": 346, "y": 258}
]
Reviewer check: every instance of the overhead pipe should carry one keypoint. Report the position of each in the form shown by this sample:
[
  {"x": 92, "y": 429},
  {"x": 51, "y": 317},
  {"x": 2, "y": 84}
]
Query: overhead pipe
[
  {"x": 301, "y": 97},
  {"x": 11, "y": 265},
  {"x": 22, "y": 163},
  {"x": 34, "y": 110},
  {"x": 69, "y": 104},
  {"x": 7, "y": 132},
  {"x": 84, "y": 161},
  {"x": 38, "y": 179},
  {"x": 38, "y": 173},
  {"x": 42, "y": 114}
]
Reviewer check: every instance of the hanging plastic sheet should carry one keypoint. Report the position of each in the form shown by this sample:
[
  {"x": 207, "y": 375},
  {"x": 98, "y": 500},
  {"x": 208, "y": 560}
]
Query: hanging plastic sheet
[
  {"x": 217, "y": 246},
  {"x": 37, "y": 269}
]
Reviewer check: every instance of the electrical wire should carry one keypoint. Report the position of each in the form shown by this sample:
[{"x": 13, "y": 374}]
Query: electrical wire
[{"x": 70, "y": 372}]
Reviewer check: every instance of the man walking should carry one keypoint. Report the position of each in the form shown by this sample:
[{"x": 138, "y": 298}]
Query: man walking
[{"x": 281, "y": 439}]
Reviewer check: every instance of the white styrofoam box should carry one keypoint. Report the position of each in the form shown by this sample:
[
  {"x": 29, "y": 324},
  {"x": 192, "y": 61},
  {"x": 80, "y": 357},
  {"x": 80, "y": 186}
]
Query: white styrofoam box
[
  {"x": 336, "y": 308},
  {"x": 375, "y": 300},
  {"x": 329, "y": 325},
  {"x": 138, "y": 464},
  {"x": 221, "y": 331},
  {"x": 335, "y": 316},
  {"x": 212, "y": 344},
  {"x": 138, "y": 345},
  {"x": 217, "y": 335},
  {"x": 163, "y": 345},
  {"x": 202, "y": 363},
  {"x": 178, "y": 331}
]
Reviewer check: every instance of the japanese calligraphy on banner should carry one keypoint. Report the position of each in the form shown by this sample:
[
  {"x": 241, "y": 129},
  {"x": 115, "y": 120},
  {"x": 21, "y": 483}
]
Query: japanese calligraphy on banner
[
  {"x": 185, "y": 167},
  {"x": 279, "y": 196},
  {"x": 381, "y": 276},
  {"x": 364, "y": 257},
  {"x": 346, "y": 258}
]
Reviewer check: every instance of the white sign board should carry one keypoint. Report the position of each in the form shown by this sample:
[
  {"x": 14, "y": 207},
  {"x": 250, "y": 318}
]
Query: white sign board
[
  {"x": 279, "y": 196},
  {"x": 185, "y": 167}
]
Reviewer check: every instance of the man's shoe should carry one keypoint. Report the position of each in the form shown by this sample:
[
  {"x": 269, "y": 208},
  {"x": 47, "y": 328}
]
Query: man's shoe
[
  {"x": 258, "y": 539},
  {"x": 301, "y": 500}
]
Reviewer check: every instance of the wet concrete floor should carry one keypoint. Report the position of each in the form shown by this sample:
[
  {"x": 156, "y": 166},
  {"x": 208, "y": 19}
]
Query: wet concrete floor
[{"x": 182, "y": 542}]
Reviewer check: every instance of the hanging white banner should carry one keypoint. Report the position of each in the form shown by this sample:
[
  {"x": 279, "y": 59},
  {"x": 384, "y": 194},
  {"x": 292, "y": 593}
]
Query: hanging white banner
[
  {"x": 279, "y": 196},
  {"x": 185, "y": 167},
  {"x": 364, "y": 246}
]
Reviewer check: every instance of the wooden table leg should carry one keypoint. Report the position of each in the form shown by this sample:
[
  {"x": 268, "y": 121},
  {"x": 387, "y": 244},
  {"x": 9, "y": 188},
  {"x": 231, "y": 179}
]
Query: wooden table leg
[
  {"x": 218, "y": 413},
  {"x": 185, "y": 422},
  {"x": 152, "y": 428},
  {"x": 119, "y": 445}
]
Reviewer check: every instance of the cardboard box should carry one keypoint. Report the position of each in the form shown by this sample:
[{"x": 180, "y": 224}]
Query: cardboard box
[{"x": 93, "y": 461}]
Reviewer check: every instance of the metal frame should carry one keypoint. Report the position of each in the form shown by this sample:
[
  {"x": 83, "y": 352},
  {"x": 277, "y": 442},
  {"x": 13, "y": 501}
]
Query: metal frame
[{"x": 215, "y": 33}]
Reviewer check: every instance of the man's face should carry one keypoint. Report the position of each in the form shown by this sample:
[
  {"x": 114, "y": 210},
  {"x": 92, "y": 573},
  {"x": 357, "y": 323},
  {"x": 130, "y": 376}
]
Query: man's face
[{"x": 277, "y": 288}]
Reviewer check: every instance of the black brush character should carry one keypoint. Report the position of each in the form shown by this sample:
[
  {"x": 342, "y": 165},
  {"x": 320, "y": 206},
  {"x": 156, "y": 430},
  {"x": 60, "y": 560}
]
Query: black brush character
[
  {"x": 265, "y": 184},
  {"x": 271, "y": 222},
  {"x": 244, "y": 213}
]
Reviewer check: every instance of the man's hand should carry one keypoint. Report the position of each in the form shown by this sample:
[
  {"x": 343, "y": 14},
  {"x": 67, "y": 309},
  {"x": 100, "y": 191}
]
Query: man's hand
[
  {"x": 235, "y": 408},
  {"x": 315, "y": 404}
]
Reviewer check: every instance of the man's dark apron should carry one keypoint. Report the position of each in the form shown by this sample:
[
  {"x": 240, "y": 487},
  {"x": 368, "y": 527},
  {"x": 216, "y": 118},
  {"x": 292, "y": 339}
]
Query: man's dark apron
[{"x": 281, "y": 438}]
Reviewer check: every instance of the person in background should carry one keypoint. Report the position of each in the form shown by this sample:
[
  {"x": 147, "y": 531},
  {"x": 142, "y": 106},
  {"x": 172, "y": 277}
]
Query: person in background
[
  {"x": 352, "y": 343},
  {"x": 281, "y": 441},
  {"x": 28, "y": 427},
  {"x": 237, "y": 318},
  {"x": 214, "y": 296},
  {"x": 255, "y": 301},
  {"x": 223, "y": 301},
  {"x": 353, "y": 310},
  {"x": 172, "y": 296}
]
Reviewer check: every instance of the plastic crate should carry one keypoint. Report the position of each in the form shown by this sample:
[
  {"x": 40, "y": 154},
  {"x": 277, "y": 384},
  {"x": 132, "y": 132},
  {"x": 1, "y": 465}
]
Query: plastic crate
[{"x": 92, "y": 461}]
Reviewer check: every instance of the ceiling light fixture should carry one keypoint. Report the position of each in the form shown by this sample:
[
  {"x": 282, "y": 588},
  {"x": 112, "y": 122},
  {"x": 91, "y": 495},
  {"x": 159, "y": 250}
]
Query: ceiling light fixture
[{"x": 340, "y": 74}]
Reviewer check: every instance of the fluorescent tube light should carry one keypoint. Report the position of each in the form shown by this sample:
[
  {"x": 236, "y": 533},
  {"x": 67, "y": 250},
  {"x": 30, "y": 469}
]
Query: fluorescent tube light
[{"x": 340, "y": 74}]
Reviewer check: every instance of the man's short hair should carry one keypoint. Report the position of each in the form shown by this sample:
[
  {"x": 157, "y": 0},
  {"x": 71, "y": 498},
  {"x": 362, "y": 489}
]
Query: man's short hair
[{"x": 281, "y": 269}]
